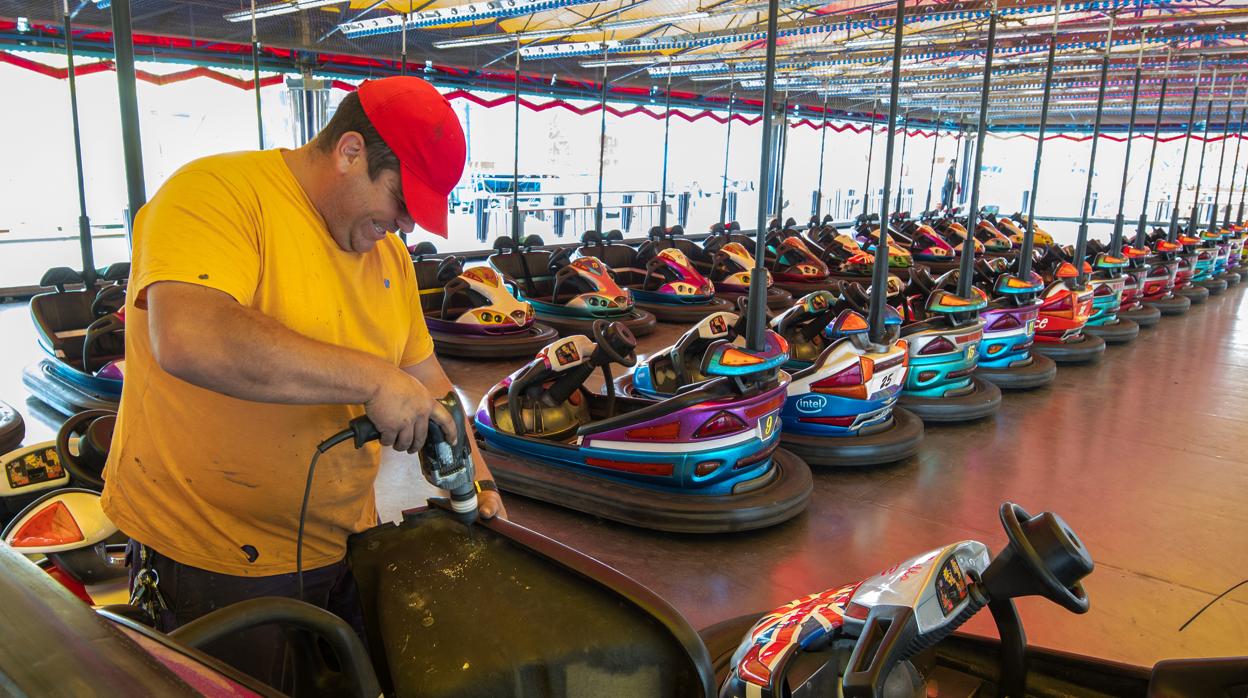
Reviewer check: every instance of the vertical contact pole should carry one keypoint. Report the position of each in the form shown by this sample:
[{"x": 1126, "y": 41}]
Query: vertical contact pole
[
  {"x": 1194, "y": 218},
  {"x": 966, "y": 265},
  {"x": 879, "y": 273},
  {"x": 901, "y": 164},
  {"x": 128, "y": 99},
  {"x": 1115, "y": 244},
  {"x": 931, "y": 170},
  {"x": 1141, "y": 230},
  {"x": 515, "y": 153},
  {"x": 1029, "y": 235},
  {"x": 1081, "y": 242},
  {"x": 1239, "y": 140},
  {"x": 667, "y": 121},
  {"x": 84, "y": 221},
  {"x": 1226, "y": 132},
  {"x": 255, "y": 75},
  {"x": 782, "y": 141},
  {"x": 757, "y": 309},
  {"x": 602, "y": 137},
  {"x": 403, "y": 46},
  {"x": 1173, "y": 234},
  {"x": 866, "y": 187},
  {"x": 723, "y": 185},
  {"x": 823, "y": 137}
]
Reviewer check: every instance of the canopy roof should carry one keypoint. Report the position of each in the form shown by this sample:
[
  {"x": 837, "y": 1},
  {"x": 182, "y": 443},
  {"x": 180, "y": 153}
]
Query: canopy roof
[{"x": 840, "y": 51}]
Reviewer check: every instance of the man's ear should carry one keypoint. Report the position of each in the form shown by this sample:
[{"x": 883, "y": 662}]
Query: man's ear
[{"x": 349, "y": 149}]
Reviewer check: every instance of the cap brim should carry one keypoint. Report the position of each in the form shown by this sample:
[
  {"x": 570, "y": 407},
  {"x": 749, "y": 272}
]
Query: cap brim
[{"x": 424, "y": 205}]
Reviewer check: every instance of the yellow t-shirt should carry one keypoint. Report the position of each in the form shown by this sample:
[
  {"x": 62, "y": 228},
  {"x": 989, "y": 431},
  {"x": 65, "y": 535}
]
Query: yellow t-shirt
[{"x": 216, "y": 482}]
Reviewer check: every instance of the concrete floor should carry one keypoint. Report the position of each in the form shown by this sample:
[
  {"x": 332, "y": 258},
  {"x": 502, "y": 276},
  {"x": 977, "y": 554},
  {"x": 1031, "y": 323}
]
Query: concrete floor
[{"x": 1145, "y": 454}]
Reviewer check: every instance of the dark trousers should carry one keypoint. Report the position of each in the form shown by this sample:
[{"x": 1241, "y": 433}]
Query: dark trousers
[{"x": 261, "y": 652}]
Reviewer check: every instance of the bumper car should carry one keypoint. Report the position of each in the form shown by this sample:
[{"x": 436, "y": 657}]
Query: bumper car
[
  {"x": 1108, "y": 283},
  {"x": 793, "y": 265},
  {"x": 942, "y": 332},
  {"x": 567, "y": 295},
  {"x": 585, "y": 629},
  {"x": 996, "y": 243},
  {"x": 1065, "y": 307},
  {"x": 1218, "y": 239},
  {"x": 728, "y": 264},
  {"x": 851, "y": 261},
  {"x": 705, "y": 460},
  {"x": 1015, "y": 228},
  {"x": 1159, "y": 283},
  {"x": 840, "y": 406},
  {"x": 472, "y": 313},
  {"x": 952, "y": 230},
  {"x": 1135, "y": 281},
  {"x": 1206, "y": 249},
  {"x": 1185, "y": 277},
  {"x": 663, "y": 282},
  {"x": 926, "y": 246},
  {"x": 1005, "y": 356},
  {"x": 83, "y": 334},
  {"x": 1235, "y": 251}
]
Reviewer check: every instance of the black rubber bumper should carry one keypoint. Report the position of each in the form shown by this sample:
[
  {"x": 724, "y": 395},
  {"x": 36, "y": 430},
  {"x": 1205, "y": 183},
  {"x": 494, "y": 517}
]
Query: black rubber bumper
[
  {"x": 476, "y": 346},
  {"x": 686, "y": 313},
  {"x": 981, "y": 402},
  {"x": 12, "y": 428},
  {"x": 1089, "y": 348},
  {"x": 1040, "y": 372},
  {"x": 1195, "y": 294},
  {"x": 1119, "y": 332},
  {"x": 1232, "y": 278},
  {"x": 1214, "y": 285},
  {"x": 799, "y": 289},
  {"x": 65, "y": 397},
  {"x": 899, "y": 441},
  {"x": 781, "y": 498},
  {"x": 1146, "y": 315},
  {"x": 1174, "y": 305},
  {"x": 638, "y": 321}
]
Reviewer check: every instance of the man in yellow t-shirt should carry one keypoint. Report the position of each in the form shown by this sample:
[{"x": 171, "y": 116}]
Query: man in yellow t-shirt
[{"x": 269, "y": 304}]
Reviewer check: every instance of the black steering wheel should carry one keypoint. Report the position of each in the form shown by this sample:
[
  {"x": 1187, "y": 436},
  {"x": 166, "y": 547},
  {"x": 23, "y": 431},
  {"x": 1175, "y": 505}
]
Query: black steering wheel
[
  {"x": 1052, "y": 553},
  {"x": 108, "y": 300},
  {"x": 97, "y": 332},
  {"x": 94, "y": 429},
  {"x": 559, "y": 259},
  {"x": 616, "y": 342}
]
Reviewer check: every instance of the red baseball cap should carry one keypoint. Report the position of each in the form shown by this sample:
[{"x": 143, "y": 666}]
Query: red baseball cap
[{"x": 420, "y": 126}]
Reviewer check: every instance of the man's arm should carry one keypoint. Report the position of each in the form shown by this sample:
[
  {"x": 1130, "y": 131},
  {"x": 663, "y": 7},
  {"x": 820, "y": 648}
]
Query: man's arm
[
  {"x": 205, "y": 337},
  {"x": 430, "y": 374}
]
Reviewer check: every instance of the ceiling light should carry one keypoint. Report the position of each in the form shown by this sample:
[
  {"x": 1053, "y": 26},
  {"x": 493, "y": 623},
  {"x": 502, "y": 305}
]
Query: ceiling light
[
  {"x": 279, "y": 8},
  {"x": 469, "y": 12}
]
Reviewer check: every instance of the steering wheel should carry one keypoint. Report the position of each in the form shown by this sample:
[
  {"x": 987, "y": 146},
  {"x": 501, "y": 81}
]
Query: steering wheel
[
  {"x": 609, "y": 335},
  {"x": 1051, "y": 552},
  {"x": 449, "y": 268},
  {"x": 95, "y": 429},
  {"x": 559, "y": 258},
  {"x": 108, "y": 299},
  {"x": 97, "y": 331}
]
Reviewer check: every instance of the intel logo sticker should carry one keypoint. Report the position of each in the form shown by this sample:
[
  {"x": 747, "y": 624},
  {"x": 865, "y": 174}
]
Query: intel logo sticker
[{"x": 811, "y": 403}]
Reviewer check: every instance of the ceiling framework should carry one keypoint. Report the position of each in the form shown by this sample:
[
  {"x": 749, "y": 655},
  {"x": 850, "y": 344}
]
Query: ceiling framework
[{"x": 837, "y": 53}]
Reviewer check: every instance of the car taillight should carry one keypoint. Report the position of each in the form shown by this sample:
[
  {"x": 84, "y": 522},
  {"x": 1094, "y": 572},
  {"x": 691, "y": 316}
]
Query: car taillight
[
  {"x": 721, "y": 424},
  {"x": 1003, "y": 322},
  {"x": 52, "y": 526},
  {"x": 667, "y": 431},
  {"x": 940, "y": 345},
  {"x": 706, "y": 467},
  {"x": 844, "y": 378},
  {"x": 639, "y": 468},
  {"x": 925, "y": 376}
]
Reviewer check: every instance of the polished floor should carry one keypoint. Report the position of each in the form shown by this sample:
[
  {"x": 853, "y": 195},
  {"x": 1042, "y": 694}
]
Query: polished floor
[{"x": 1145, "y": 454}]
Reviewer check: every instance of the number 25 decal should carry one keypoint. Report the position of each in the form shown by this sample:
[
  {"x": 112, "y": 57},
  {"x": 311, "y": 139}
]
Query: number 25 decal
[{"x": 887, "y": 380}]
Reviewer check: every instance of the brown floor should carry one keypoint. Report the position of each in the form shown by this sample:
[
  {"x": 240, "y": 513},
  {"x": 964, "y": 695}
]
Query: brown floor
[{"x": 1145, "y": 454}]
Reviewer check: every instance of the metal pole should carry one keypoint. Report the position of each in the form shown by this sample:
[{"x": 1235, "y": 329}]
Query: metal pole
[
  {"x": 757, "y": 309},
  {"x": 901, "y": 164},
  {"x": 84, "y": 221},
  {"x": 1200, "y": 170},
  {"x": 667, "y": 119},
  {"x": 1187, "y": 142},
  {"x": 966, "y": 271},
  {"x": 879, "y": 272},
  {"x": 823, "y": 137},
  {"x": 1239, "y": 140},
  {"x": 1141, "y": 230},
  {"x": 931, "y": 171},
  {"x": 1115, "y": 245},
  {"x": 1239, "y": 217},
  {"x": 1081, "y": 242},
  {"x": 783, "y": 142},
  {"x": 602, "y": 137},
  {"x": 866, "y": 187},
  {"x": 1029, "y": 235},
  {"x": 1217, "y": 183},
  {"x": 515, "y": 154},
  {"x": 128, "y": 99},
  {"x": 723, "y": 186},
  {"x": 255, "y": 75},
  {"x": 403, "y": 46}
]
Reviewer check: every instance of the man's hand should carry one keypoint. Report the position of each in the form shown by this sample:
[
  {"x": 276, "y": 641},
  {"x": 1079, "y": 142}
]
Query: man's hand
[
  {"x": 401, "y": 408},
  {"x": 489, "y": 505}
]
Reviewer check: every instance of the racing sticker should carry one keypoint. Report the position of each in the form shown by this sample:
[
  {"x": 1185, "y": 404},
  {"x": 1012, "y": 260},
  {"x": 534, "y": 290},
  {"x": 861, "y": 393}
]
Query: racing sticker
[
  {"x": 950, "y": 586},
  {"x": 768, "y": 425},
  {"x": 34, "y": 468},
  {"x": 566, "y": 353}
]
